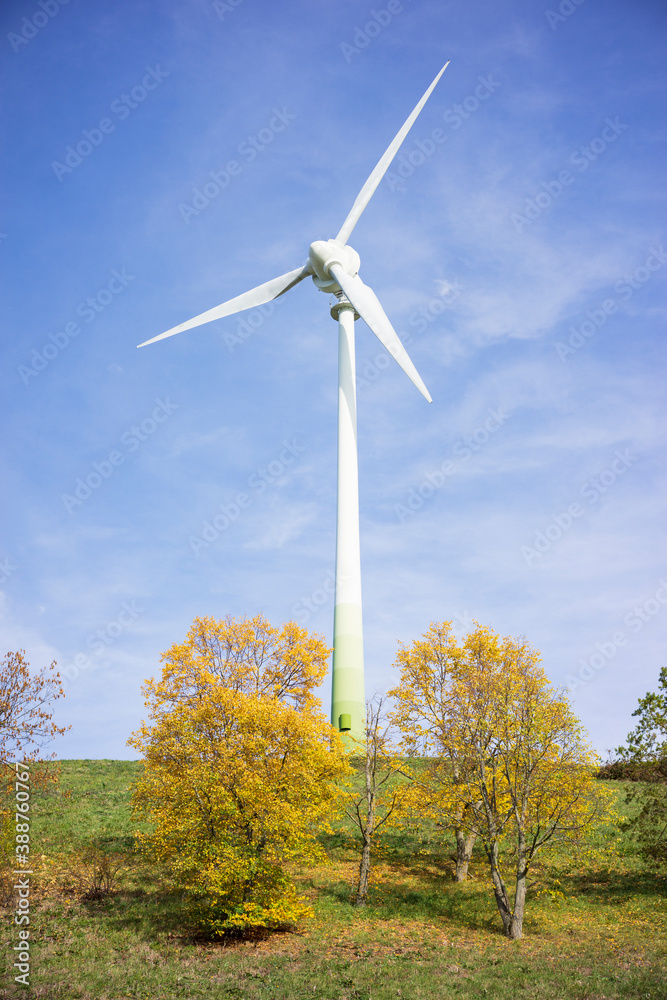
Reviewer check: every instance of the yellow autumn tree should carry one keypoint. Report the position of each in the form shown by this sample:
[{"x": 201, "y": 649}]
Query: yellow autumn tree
[
  {"x": 513, "y": 764},
  {"x": 428, "y": 668},
  {"x": 242, "y": 654},
  {"x": 241, "y": 769}
]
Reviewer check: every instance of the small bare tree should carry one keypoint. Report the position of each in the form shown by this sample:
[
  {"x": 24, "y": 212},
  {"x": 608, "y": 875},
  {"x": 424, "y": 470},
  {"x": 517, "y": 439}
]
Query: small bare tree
[
  {"x": 26, "y": 722},
  {"x": 380, "y": 797},
  {"x": 26, "y": 725}
]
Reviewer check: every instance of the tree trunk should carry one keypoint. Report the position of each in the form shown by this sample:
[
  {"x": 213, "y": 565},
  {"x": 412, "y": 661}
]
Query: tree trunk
[
  {"x": 364, "y": 872},
  {"x": 464, "y": 845},
  {"x": 368, "y": 827},
  {"x": 516, "y": 927},
  {"x": 502, "y": 899}
]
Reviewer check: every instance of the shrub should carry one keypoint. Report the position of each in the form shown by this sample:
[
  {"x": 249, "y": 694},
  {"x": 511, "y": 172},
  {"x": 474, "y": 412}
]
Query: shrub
[{"x": 90, "y": 872}]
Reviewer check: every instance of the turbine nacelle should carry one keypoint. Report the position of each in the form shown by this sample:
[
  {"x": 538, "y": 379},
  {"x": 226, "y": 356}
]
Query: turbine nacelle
[
  {"x": 325, "y": 253},
  {"x": 334, "y": 267}
]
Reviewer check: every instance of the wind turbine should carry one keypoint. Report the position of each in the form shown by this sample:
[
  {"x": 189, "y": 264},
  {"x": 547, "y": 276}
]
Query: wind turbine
[{"x": 334, "y": 265}]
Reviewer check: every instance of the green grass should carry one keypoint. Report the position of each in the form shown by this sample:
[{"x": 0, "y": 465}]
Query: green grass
[
  {"x": 601, "y": 935},
  {"x": 91, "y": 799}
]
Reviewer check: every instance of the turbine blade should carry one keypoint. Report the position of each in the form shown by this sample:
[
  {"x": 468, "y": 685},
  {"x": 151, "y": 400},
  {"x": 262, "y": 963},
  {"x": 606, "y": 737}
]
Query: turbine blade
[
  {"x": 367, "y": 304},
  {"x": 255, "y": 297},
  {"x": 378, "y": 173}
]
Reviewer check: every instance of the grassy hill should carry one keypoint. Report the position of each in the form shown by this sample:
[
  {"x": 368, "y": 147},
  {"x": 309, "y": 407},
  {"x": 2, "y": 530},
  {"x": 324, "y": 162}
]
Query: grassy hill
[{"x": 596, "y": 924}]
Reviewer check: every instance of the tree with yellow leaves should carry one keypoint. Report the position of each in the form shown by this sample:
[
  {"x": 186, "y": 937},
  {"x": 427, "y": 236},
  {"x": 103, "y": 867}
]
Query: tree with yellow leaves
[
  {"x": 241, "y": 768},
  {"x": 242, "y": 654},
  {"x": 515, "y": 768},
  {"x": 428, "y": 669}
]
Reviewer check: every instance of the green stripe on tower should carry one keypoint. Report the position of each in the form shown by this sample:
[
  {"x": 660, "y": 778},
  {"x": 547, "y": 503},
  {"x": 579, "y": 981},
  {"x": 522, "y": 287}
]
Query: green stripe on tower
[{"x": 347, "y": 686}]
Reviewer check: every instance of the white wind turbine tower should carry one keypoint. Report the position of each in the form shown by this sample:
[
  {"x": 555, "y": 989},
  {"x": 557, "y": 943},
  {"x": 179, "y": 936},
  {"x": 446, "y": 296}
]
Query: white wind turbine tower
[{"x": 333, "y": 266}]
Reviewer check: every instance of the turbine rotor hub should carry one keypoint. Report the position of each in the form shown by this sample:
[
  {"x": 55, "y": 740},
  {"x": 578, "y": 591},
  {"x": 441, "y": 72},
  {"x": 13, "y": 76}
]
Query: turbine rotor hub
[{"x": 323, "y": 253}]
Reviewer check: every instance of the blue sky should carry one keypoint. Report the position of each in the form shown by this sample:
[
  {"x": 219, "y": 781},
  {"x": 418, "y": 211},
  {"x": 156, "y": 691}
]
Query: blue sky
[{"x": 518, "y": 247}]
